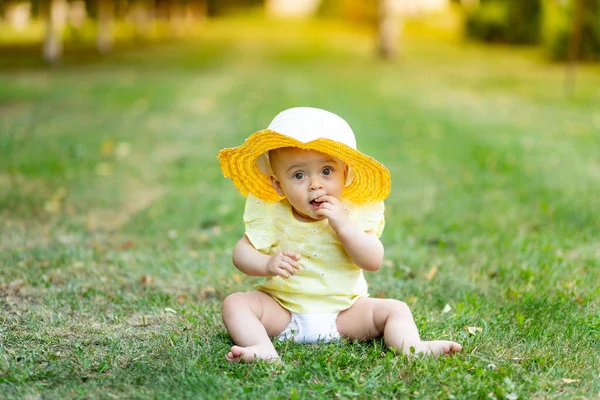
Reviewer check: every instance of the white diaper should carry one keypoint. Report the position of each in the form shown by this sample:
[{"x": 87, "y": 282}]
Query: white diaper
[{"x": 311, "y": 328}]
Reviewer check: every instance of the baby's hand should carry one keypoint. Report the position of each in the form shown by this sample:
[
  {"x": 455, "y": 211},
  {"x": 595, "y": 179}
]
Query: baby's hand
[
  {"x": 334, "y": 210},
  {"x": 284, "y": 264}
]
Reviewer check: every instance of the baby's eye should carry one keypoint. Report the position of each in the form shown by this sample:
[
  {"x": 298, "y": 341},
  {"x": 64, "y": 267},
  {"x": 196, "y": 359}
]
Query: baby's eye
[
  {"x": 298, "y": 175},
  {"x": 327, "y": 171}
]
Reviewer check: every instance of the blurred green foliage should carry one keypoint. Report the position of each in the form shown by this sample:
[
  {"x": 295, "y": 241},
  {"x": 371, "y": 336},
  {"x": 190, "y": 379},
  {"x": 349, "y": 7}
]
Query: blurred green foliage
[
  {"x": 487, "y": 23},
  {"x": 557, "y": 29},
  {"x": 505, "y": 21},
  {"x": 546, "y": 22},
  {"x": 549, "y": 23},
  {"x": 213, "y": 7}
]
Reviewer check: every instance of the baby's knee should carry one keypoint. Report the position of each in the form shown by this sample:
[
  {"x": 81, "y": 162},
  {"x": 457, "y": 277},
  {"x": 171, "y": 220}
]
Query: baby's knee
[
  {"x": 233, "y": 301},
  {"x": 399, "y": 308}
]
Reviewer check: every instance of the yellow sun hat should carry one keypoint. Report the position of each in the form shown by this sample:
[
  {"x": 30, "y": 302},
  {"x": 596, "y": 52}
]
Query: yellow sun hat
[{"x": 309, "y": 129}]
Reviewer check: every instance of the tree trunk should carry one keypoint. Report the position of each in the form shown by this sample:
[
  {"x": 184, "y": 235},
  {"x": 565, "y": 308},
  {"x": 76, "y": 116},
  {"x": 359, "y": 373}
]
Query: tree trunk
[
  {"x": 104, "y": 35},
  {"x": 176, "y": 20},
  {"x": 196, "y": 11},
  {"x": 574, "y": 45},
  {"x": 388, "y": 29},
  {"x": 143, "y": 15},
  {"x": 55, "y": 22}
]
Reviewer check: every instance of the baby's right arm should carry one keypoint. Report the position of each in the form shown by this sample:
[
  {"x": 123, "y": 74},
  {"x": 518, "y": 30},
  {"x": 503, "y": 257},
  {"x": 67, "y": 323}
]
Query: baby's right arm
[{"x": 254, "y": 263}]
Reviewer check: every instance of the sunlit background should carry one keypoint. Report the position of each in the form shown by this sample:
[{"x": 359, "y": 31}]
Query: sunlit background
[{"x": 562, "y": 29}]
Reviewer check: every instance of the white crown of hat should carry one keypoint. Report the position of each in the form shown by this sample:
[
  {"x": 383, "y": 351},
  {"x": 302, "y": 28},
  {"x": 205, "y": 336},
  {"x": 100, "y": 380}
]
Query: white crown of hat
[{"x": 306, "y": 124}]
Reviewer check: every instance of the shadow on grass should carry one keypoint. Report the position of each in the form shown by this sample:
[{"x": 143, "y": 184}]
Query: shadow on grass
[{"x": 199, "y": 54}]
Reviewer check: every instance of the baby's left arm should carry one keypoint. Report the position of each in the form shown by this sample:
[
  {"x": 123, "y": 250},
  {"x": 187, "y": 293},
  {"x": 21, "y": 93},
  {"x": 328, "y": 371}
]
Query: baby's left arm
[{"x": 364, "y": 248}]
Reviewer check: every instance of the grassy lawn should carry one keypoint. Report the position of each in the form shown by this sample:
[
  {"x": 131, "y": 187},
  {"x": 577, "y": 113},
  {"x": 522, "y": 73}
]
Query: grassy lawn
[{"x": 116, "y": 226}]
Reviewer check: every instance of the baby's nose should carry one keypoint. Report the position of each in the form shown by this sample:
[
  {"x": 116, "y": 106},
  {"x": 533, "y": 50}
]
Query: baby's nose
[{"x": 315, "y": 183}]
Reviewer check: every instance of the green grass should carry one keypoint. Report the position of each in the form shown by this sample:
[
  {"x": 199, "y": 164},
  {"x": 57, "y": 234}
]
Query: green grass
[{"x": 116, "y": 226}]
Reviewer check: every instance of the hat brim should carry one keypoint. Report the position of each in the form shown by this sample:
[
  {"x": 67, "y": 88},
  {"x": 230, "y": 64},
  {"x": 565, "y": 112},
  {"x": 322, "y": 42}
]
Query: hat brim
[{"x": 371, "y": 179}]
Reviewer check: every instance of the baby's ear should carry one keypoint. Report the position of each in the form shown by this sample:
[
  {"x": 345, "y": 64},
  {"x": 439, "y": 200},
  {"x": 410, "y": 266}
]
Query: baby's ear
[
  {"x": 276, "y": 185},
  {"x": 348, "y": 176}
]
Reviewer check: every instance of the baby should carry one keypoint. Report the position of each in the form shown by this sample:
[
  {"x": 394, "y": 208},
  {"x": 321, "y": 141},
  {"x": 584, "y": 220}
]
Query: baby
[{"x": 314, "y": 213}]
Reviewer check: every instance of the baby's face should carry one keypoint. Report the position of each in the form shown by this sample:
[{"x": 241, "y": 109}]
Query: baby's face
[{"x": 305, "y": 175}]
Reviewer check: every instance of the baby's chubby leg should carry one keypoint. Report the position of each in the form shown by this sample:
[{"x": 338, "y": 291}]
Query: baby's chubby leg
[
  {"x": 252, "y": 319},
  {"x": 371, "y": 318}
]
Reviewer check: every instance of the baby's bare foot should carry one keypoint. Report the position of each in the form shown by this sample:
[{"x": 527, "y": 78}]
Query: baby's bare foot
[
  {"x": 437, "y": 347},
  {"x": 252, "y": 353}
]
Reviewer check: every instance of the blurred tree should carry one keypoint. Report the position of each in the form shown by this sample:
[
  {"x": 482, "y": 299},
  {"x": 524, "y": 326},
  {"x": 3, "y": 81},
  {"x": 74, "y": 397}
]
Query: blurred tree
[
  {"x": 388, "y": 29},
  {"x": 17, "y": 15},
  {"x": 180, "y": 13},
  {"x": 524, "y": 21},
  {"x": 55, "y": 21},
  {"x": 37, "y": 7},
  {"x": 104, "y": 33},
  {"x": 574, "y": 44},
  {"x": 363, "y": 12},
  {"x": 504, "y": 21},
  {"x": 384, "y": 16},
  {"x": 568, "y": 29},
  {"x": 571, "y": 29},
  {"x": 141, "y": 12},
  {"x": 295, "y": 9},
  {"x": 222, "y": 7}
]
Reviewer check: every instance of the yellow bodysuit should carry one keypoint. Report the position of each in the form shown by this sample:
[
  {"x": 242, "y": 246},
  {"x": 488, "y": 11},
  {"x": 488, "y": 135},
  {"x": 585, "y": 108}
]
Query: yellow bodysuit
[{"x": 329, "y": 281}]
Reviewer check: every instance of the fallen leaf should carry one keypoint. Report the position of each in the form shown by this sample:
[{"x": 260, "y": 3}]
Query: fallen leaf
[
  {"x": 15, "y": 286},
  {"x": 97, "y": 248},
  {"x": 238, "y": 278},
  {"x": 183, "y": 298},
  {"x": 66, "y": 239},
  {"x": 567, "y": 380},
  {"x": 127, "y": 245},
  {"x": 54, "y": 204},
  {"x": 432, "y": 272},
  {"x": 208, "y": 293},
  {"x": 107, "y": 147},
  {"x": 52, "y": 207},
  {"x": 146, "y": 280},
  {"x": 473, "y": 329},
  {"x": 104, "y": 169},
  {"x": 123, "y": 149}
]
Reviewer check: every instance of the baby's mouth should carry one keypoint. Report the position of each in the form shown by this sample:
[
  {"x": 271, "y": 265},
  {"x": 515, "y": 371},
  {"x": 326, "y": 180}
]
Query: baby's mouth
[{"x": 315, "y": 204}]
